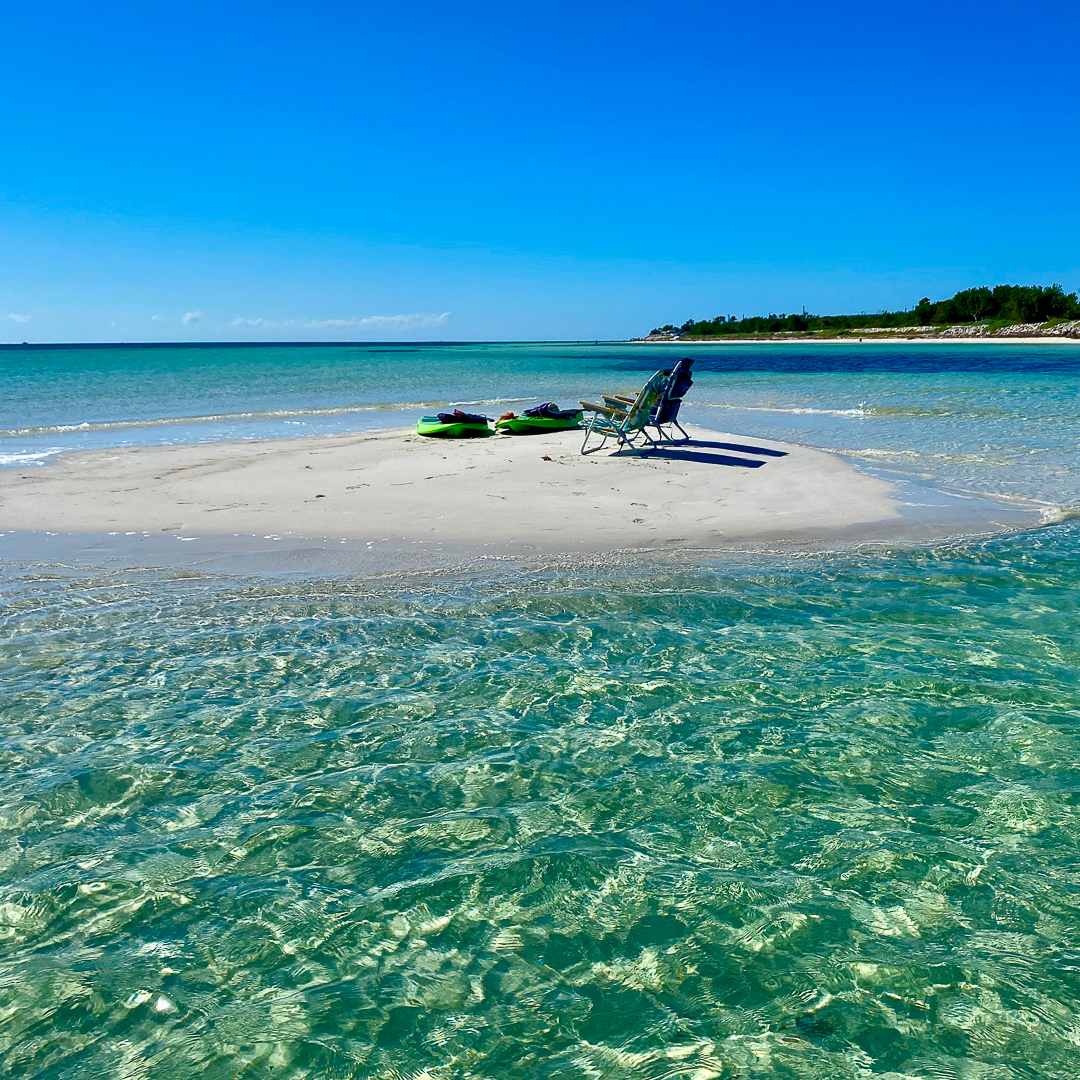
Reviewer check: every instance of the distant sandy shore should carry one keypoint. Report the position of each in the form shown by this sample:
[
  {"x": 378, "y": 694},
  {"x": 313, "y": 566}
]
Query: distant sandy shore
[{"x": 536, "y": 491}]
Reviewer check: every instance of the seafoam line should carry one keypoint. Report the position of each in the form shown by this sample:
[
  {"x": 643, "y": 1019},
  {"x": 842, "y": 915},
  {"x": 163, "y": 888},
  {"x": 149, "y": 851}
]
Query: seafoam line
[
  {"x": 29, "y": 457},
  {"x": 214, "y": 418},
  {"x": 861, "y": 411}
]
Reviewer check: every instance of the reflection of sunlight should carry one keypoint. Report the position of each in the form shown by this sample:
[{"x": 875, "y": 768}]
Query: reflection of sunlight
[
  {"x": 767, "y": 815},
  {"x": 798, "y": 811}
]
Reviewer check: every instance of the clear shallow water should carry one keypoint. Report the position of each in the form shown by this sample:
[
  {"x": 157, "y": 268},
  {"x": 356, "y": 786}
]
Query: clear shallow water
[
  {"x": 766, "y": 817},
  {"x": 782, "y": 818}
]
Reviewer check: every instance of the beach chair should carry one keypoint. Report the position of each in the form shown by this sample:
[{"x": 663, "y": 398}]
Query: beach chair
[
  {"x": 666, "y": 411},
  {"x": 666, "y": 414},
  {"x": 624, "y": 419}
]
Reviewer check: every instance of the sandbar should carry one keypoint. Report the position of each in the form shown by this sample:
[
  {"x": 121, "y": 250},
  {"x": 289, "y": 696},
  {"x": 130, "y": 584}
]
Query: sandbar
[{"x": 535, "y": 492}]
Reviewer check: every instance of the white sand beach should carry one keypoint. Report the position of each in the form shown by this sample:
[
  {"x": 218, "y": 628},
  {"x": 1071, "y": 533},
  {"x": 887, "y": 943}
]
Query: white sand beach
[{"x": 537, "y": 491}]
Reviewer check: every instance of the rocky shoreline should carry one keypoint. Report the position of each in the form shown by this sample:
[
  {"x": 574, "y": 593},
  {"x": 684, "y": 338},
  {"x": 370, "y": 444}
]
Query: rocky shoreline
[
  {"x": 1065, "y": 329},
  {"x": 1025, "y": 331}
]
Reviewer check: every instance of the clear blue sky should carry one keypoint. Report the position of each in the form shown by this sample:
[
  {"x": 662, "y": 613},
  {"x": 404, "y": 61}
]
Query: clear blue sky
[{"x": 495, "y": 171}]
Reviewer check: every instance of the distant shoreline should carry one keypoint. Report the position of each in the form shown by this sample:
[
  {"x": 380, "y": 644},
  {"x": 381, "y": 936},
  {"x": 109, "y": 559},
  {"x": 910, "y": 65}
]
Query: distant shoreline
[
  {"x": 1023, "y": 333},
  {"x": 864, "y": 339}
]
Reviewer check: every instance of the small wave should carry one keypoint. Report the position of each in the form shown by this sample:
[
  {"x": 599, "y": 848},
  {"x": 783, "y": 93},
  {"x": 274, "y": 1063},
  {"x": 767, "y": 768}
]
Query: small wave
[
  {"x": 909, "y": 410},
  {"x": 1054, "y": 514},
  {"x": 881, "y": 454},
  {"x": 874, "y": 453},
  {"x": 29, "y": 457},
  {"x": 861, "y": 411},
  {"x": 865, "y": 411},
  {"x": 904, "y": 461},
  {"x": 216, "y": 418}
]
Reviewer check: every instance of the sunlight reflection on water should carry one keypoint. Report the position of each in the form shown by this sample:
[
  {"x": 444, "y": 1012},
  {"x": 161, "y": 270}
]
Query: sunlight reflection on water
[{"x": 804, "y": 817}]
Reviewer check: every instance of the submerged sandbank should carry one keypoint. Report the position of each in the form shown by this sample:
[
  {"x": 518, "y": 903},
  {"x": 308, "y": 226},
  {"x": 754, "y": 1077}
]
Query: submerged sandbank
[{"x": 396, "y": 491}]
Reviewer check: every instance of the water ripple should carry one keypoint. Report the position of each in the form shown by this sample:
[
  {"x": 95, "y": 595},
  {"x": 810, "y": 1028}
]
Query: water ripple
[{"x": 812, "y": 817}]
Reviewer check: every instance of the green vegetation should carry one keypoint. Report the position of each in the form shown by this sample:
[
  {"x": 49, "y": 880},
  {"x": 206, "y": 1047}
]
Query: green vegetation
[{"x": 1003, "y": 305}]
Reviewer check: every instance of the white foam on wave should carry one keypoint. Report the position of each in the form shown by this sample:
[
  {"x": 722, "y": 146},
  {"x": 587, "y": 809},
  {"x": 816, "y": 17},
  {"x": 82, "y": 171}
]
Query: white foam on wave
[
  {"x": 1054, "y": 514},
  {"x": 1001, "y": 459},
  {"x": 29, "y": 457},
  {"x": 215, "y": 418},
  {"x": 861, "y": 412}
]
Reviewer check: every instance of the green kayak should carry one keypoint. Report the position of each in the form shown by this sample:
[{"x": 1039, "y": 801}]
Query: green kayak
[
  {"x": 454, "y": 426},
  {"x": 544, "y": 418}
]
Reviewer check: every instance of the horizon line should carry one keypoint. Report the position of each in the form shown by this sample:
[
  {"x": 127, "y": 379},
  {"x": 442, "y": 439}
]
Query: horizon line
[{"x": 292, "y": 344}]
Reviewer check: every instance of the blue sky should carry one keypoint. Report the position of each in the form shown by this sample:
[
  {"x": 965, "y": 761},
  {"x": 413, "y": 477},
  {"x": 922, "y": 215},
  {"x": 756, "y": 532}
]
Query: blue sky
[{"x": 505, "y": 171}]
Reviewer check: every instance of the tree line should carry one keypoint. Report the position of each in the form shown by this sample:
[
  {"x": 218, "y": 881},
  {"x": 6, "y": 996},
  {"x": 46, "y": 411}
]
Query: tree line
[{"x": 1003, "y": 305}]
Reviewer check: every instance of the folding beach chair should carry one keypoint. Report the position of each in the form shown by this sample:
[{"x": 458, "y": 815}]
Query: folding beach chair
[
  {"x": 624, "y": 419},
  {"x": 666, "y": 411}
]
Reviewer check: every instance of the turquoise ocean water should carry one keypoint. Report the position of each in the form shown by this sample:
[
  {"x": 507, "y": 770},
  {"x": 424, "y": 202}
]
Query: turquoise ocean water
[{"x": 770, "y": 815}]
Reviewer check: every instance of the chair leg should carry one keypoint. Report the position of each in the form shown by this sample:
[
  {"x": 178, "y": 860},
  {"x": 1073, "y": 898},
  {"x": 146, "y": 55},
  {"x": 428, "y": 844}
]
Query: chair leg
[
  {"x": 589, "y": 431},
  {"x": 628, "y": 439},
  {"x": 625, "y": 439}
]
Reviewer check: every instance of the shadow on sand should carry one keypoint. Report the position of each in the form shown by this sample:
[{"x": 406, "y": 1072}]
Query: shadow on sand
[
  {"x": 740, "y": 448},
  {"x": 675, "y": 453},
  {"x": 678, "y": 454},
  {"x": 690, "y": 451}
]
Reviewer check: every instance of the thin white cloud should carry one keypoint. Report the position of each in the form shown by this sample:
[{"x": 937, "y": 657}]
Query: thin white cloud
[
  {"x": 191, "y": 317},
  {"x": 418, "y": 321},
  {"x": 19, "y": 318},
  {"x": 155, "y": 318}
]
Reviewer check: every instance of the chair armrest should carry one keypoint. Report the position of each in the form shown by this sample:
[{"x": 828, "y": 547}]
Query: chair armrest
[
  {"x": 610, "y": 410},
  {"x": 622, "y": 398}
]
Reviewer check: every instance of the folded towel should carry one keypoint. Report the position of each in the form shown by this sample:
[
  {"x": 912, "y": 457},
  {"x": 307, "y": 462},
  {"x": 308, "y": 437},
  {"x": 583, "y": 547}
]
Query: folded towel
[
  {"x": 459, "y": 417},
  {"x": 550, "y": 411}
]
